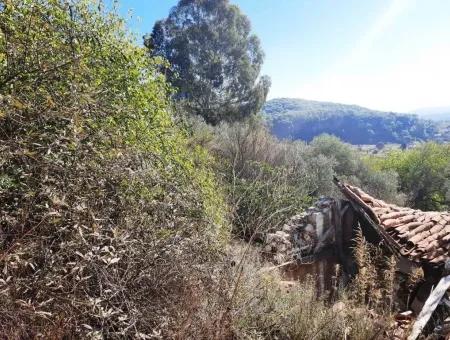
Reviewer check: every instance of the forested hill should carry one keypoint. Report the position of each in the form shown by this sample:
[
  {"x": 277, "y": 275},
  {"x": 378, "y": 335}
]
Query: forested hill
[{"x": 305, "y": 119}]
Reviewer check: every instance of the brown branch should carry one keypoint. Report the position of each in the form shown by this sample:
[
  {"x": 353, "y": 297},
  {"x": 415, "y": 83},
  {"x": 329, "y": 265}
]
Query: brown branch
[{"x": 28, "y": 232}]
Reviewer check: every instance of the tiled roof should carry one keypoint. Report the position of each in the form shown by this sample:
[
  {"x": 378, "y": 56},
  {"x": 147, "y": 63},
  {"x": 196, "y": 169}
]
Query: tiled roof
[{"x": 419, "y": 235}]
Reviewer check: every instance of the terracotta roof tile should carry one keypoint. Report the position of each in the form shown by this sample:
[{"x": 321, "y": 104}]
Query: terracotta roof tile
[{"x": 420, "y": 235}]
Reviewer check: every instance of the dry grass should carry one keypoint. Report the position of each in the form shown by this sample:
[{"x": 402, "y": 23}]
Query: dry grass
[
  {"x": 376, "y": 283},
  {"x": 264, "y": 309}
]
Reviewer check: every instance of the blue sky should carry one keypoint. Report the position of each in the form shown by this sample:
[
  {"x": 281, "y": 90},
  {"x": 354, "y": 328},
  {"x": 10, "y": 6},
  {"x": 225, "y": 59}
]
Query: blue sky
[{"x": 384, "y": 54}]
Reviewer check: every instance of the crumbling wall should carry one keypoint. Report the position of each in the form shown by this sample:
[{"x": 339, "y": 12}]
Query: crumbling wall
[
  {"x": 308, "y": 239},
  {"x": 304, "y": 235}
]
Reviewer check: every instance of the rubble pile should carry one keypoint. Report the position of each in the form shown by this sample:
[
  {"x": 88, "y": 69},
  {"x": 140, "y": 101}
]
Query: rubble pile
[{"x": 302, "y": 235}]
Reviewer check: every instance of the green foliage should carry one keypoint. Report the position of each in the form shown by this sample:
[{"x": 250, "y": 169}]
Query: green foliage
[
  {"x": 424, "y": 173},
  {"x": 305, "y": 119},
  {"x": 348, "y": 164},
  {"x": 345, "y": 161},
  {"x": 214, "y": 59},
  {"x": 269, "y": 180},
  {"x": 104, "y": 202},
  {"x": 264, "y": 187}
]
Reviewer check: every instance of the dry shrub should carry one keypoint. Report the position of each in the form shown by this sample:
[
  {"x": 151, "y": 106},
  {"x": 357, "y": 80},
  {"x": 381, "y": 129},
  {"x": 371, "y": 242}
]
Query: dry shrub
[
  {"x": 110, "y": 223},
  {"x": 265, "y": 183},
  {"x": 263, "y": 309},
  {"x": 376, "y": 283}
]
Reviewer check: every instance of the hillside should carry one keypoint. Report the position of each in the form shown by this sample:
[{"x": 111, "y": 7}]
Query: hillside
[{"x": 305, "y": 119}]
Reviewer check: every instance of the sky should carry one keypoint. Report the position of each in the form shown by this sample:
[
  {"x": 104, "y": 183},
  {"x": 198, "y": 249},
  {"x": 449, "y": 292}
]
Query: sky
[{"x": 391, "y": 55}]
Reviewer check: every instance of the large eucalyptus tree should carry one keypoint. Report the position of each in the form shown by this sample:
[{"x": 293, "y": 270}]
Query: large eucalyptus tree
[{"x": 215, "y": 60}]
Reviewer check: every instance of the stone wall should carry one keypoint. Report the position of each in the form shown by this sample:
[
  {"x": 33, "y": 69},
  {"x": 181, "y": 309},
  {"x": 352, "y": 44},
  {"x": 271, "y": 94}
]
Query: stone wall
[{"x": 304, "y": 235}]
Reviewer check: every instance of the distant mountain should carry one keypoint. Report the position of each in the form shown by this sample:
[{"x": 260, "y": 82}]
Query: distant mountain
[
  {"x": 434, "y": 113},
  {"x": 305, "y": 119}
]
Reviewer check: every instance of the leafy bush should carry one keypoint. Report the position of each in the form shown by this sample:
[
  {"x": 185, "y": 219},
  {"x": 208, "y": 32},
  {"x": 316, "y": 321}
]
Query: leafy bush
[
  {"x": 349, "y": 165},
  {"x": 269, "y": 180},
  {"x": 424, "y": 174},
  {"x": 109, "y": 219},
  {"x": 264, "y": 183}
]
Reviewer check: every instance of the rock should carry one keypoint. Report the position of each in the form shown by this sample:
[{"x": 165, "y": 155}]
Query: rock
[
  {"x": 309, "y": 228},
  {"x": 282, "y": 235},
  {"x": 268, "y": 248},
  {"x": 269, "y": 238},
  {"x": 288, "y": 286}
]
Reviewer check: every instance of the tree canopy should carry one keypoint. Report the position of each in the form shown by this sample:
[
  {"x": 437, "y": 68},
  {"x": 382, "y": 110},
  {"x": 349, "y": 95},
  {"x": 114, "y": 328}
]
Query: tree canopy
[{"x": 215, "y": 60}]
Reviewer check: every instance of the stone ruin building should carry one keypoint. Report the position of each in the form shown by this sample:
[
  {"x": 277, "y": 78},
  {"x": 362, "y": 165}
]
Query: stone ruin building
[{"x": 323, "y": 236}]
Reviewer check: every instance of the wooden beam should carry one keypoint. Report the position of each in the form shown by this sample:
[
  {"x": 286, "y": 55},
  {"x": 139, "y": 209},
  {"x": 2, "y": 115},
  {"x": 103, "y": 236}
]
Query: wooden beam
[
  {"x": 337, "y": 216},
  {"x": 389, "y": 241},
  {"x": 429, "y": 307}
]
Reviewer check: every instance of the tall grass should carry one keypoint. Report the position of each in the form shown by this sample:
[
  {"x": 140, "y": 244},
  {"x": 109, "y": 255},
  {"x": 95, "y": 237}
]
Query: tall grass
[
  {"x": 376, "y": 283},
  {"x": 266, "y": 307}
]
